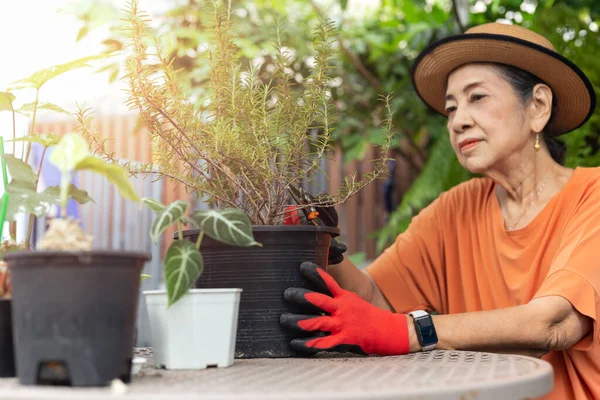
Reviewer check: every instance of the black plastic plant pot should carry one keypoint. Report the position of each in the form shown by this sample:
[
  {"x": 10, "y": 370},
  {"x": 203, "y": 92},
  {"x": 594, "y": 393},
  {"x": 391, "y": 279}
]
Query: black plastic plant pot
[
  {"x": 7, "y": 357},
  {"x": 264, "y": 273},
  {"x": 74, "y": 315}
]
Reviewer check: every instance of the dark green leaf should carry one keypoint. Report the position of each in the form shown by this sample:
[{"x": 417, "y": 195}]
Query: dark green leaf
[
  {"x": 183, "y": 265},
  {"x": 229, "y": 226},
  {"x": 153, "y": 204},
  {"x": 169, "y": 215},
  {"x": 158, "y": 207}
]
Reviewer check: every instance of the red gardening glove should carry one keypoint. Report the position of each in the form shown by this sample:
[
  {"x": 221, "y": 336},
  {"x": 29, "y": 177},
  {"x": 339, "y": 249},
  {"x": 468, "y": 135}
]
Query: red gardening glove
[
  {"x": 291, "y": 216},
  {"x": 352, "y": 323}
]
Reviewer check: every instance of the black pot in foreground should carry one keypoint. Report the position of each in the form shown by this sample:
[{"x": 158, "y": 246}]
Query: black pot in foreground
[
  {"x": 264, "y": 273},
  {"x": 7, "y": 357},
  {"x": 74, "y": 315}
]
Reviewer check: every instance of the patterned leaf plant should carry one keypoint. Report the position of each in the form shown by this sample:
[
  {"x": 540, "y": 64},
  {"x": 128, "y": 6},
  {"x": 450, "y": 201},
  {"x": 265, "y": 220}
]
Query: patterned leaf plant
[{"x": 183, "y": 261}]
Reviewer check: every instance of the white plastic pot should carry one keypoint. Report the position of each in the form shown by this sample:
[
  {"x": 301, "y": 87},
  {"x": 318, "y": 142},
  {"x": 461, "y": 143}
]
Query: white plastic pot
[{"x": 196, "y": 332}]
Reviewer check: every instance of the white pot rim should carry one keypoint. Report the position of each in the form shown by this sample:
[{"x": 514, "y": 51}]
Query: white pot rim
[{"x": 193, "y": 291}]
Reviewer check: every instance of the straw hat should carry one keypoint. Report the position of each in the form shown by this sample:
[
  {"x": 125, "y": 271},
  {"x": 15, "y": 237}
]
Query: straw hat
[{"x": 512, "y": 45}]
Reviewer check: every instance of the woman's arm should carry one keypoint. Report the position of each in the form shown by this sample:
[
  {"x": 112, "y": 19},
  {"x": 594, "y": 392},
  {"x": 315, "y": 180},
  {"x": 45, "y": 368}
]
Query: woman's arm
[
  {"x": 349, "y": 277},
  {"x": 545, "y": 324}
]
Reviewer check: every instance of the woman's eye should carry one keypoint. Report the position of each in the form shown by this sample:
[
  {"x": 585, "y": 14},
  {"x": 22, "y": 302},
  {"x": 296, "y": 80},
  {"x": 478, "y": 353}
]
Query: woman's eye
[
  {"x": 476, "y": 97},
  {"x": 450, "y": 109}
]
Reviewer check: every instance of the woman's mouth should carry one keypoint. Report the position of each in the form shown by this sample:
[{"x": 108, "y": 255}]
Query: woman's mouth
[{"x": 467, "y": 144}]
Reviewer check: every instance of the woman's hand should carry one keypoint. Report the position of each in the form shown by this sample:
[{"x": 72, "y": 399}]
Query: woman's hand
[
  {"x": 352, "y": 324},
  {"x": 329, "y": 216}
]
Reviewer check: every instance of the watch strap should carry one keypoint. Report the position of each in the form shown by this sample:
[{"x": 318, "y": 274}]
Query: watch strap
[{"x": 418, "y": 313}]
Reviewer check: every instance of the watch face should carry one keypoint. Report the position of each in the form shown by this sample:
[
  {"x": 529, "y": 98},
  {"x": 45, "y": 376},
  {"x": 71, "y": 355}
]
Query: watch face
[{"x": 426, "y": 331}]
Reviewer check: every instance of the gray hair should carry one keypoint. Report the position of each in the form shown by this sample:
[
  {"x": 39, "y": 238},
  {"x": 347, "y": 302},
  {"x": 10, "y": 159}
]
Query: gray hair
[{"x": 523, "y": 82}]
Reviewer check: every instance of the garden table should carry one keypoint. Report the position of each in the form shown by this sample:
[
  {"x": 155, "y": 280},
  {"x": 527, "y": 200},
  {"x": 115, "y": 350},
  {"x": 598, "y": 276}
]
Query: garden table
[{"x": 432, "y": 375}]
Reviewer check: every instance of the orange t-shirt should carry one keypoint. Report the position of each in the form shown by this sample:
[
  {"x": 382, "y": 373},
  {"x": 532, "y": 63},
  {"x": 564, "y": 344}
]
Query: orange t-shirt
[{"x": 457, "y": 257}]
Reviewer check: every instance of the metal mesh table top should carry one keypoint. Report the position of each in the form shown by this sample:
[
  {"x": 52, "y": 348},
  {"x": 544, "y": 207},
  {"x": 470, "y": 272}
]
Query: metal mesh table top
[{"x": 433, "y": 375}]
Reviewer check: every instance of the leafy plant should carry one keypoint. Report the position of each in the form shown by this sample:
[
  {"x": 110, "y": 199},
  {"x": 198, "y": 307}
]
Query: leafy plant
[
  {"x": 250, "y": 140},
  {"x": 23, "y": 188},
  {"x": 183, "y": 263},
  {"x": 72, "y": 154}
]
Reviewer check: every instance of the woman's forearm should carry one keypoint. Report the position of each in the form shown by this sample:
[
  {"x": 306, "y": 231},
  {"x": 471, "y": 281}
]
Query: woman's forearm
[
  {"x": 349, "y": 277},
  {"x": 505, "y": 330},
  {"x": 532, "y": 329}
]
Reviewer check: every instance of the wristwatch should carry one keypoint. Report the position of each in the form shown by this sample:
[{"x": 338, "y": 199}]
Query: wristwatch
[{"x": 425, "y": 329}]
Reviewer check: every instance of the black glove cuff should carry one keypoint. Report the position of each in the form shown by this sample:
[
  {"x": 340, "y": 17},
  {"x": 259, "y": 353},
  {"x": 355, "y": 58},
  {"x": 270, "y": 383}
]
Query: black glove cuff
[{"x": 336, "y": 251}]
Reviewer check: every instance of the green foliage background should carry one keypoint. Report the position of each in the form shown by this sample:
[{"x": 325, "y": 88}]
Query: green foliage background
[{"x": 376, "y": 50}]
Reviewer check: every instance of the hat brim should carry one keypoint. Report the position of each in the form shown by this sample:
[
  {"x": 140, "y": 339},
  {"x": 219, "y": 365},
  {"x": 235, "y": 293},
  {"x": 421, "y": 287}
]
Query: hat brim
[{"x": 574, "y": 93}]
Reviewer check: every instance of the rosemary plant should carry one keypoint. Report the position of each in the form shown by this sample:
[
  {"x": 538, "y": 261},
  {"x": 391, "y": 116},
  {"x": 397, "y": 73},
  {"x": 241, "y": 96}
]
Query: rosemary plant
[{"x": 249, "y": 140}]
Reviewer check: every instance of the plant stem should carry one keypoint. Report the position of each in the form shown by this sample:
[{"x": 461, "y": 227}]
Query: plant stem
[
  {"x": 31, "y": 216},
  {"x": 14, "y": 130},
  {"x": 29, "y": 229},
  {"x": 39, "y": 172},
  {"x": 12, "y": 226},
  {"x": 12, "y": 230},
  {"x": 37, "y": 95},
  {"x": 26, "y": 158},
  {"x": 179, "y": 230},
  {"x": 200, "y": 236}
]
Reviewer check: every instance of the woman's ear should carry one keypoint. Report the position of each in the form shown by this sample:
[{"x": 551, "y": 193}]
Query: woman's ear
[{"x": 540, "y": 108}]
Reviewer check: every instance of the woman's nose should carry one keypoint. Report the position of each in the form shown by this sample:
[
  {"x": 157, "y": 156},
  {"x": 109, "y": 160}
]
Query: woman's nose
[{"x": 461, "y": 120}]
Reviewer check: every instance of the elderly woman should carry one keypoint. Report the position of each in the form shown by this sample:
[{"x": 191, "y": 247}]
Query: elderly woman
[{"x": 510, "y": 260}]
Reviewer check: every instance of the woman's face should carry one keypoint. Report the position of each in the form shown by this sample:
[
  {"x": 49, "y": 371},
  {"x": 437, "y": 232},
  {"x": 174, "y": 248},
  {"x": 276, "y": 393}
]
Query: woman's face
[{"x": 486, "y": 121}]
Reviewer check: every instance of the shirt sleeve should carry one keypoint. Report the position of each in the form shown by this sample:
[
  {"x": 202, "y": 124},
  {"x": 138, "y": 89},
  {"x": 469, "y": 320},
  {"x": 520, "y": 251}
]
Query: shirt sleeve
[
  {"x": 410, "y": 272},
  {"x": 575, "y": 271}
]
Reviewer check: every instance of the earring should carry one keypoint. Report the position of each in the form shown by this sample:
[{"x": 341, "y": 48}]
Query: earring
[{"x": 537, "y": 145}]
